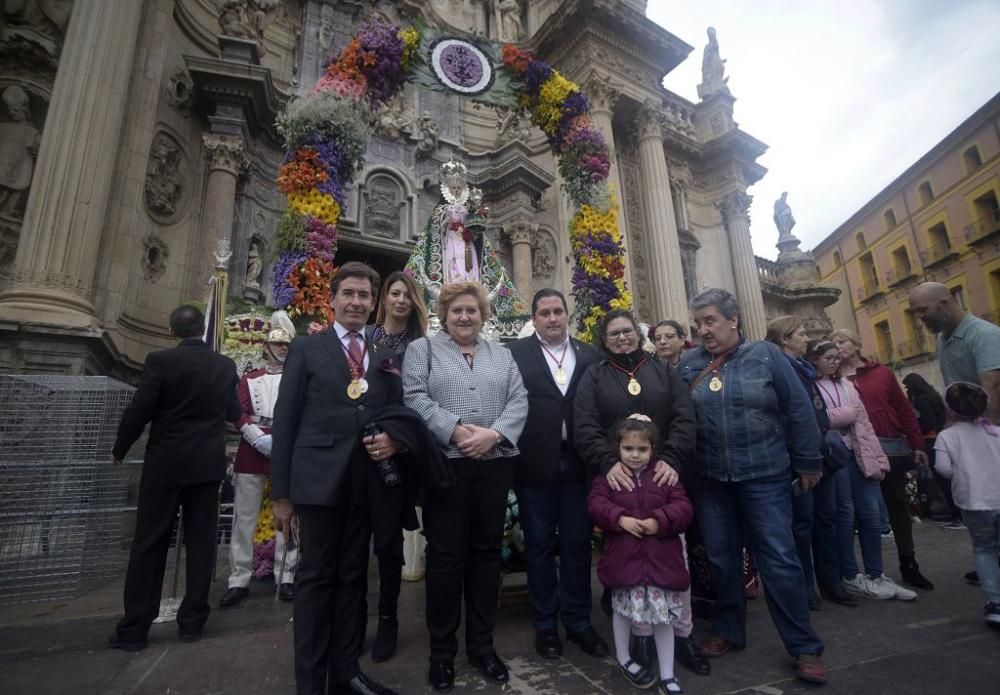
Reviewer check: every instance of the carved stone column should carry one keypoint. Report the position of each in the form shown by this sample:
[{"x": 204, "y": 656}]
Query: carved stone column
[
  {"x": 71, "y": 187},
  {"x": 753, "y": 318},
  {"x": 519, "y": 234},
  {"x": 227, "y": 161},
  {"x": 603, "y": 96},
  {"x": 663, "y": 250}
]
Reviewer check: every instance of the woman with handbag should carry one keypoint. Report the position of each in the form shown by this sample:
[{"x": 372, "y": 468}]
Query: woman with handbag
[
  {"x": 853, "y": 440},
  {"x": 814, "y": 512},
  {"x": 899, "y": 435}
]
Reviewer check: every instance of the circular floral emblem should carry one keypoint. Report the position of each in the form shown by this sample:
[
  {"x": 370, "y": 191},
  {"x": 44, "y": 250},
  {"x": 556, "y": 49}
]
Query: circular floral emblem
[{"x": 461, "y": 66}]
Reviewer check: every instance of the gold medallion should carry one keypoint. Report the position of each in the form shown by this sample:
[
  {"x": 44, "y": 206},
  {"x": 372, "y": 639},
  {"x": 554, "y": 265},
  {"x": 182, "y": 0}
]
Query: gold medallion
[
  {"x": 560, "y": 376},
  {"x": 715, "y": 384},
  {"x": 633, "y": 387},
  {"x": 364, "y": 384},
  {"x": 354, "y": 390}
]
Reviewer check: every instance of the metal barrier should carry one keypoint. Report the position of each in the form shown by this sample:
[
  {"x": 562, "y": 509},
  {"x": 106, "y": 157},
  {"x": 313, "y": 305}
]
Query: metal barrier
[{"x": 63, "y": 504}]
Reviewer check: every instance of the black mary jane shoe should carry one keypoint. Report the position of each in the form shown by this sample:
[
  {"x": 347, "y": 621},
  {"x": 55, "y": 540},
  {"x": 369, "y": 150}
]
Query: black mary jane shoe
[
  {"x": 690, "y": 657},
  {"x": 669, "y": 686},
  {"x": 643, "y": 679},
  {"x": 441, "y": 676},
  {"x": 492, "y": 668}
]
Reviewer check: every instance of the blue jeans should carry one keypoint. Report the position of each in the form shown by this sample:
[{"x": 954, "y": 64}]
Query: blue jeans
[
  {"x": 984, "y": 528},
  {"x": 554, "y": 518},
  {"x": 857, "y": 496},
  {"x": 814, "y": 523},
  {"x": 883, "y": 515},
  {"x": 759, "y": 510}
]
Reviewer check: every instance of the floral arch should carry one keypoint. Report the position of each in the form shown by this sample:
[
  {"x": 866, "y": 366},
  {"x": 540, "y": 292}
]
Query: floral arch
[{"x": 325, "y": 133}]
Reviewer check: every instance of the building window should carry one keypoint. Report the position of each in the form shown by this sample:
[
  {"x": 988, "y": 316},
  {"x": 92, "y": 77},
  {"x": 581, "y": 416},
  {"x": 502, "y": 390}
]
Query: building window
[
  {"x": 838, "y": 262},
  {"x": 925, "y": 192},
  {"x": 860, "y": 239},
  {"x": 883, "y": 342},
  {"x": 890, "y": 219},
  {"x": 958, "y": 294},
  {"x": 901, "y": 260},
  {"x": 971, "y": 159},
  {"x": 939, "y": 236}
]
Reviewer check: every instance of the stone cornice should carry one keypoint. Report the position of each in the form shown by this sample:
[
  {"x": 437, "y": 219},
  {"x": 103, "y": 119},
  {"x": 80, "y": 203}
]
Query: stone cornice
[
  {"x": 742, "y": 148},
  {"x": 227, "y": 83},
  {"x": 615, "y": 23}
]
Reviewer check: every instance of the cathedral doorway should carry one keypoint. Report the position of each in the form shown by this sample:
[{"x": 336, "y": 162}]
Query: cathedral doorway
[{"x": 384, "y": 261}]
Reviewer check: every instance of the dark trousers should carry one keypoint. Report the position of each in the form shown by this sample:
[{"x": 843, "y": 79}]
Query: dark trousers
[
  {"x": 761, "y": 511},
  {"x": 555, "y": 521},
  {"x": 155, "y": 516},
  {"x": 814, "y": 522},
  {"x": 329, "y": 593},
  {"x": 390, "y": 575},
  {"x": 894, "y": 492},
  {"x": 464, "y": 529}
]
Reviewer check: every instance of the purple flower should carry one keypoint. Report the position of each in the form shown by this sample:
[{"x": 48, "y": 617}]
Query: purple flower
[
  {"x": 534, "y": 77},
  {"x": 286, "y": 263}
]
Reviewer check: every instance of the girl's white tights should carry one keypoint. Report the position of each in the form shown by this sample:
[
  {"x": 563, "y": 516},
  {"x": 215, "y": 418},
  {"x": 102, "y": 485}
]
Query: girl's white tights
[{"x": 663, "y": 635}]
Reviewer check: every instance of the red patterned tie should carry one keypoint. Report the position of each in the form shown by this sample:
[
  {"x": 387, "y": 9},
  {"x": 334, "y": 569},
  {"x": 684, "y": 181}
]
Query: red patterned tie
[{"x": 357, "y": 356}]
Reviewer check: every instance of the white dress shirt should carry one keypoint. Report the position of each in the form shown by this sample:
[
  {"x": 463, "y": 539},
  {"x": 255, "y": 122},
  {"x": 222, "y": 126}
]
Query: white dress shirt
[{"x": 345, "y": 338}]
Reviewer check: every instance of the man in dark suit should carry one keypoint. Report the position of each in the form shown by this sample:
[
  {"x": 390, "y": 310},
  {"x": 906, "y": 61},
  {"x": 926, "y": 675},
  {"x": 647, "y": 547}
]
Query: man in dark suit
[
  {"x": 188, "y": 393},
  {"x": 333, "y": 385},
  {"x": 550, "y": 480}
]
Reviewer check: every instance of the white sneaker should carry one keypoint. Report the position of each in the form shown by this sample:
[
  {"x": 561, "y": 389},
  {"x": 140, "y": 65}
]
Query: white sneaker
[
  {"x": 898, "y": 591},
  {"x": 863, "y": 586}
]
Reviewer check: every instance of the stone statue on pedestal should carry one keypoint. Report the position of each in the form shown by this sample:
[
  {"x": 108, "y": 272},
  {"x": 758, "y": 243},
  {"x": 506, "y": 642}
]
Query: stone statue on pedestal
[
  {"x": 427, "y": 136},
  {"x": 453, "y": 248},
  {"x": 783, "y": 219},
  {"x": 509, "y": 25},
  {"x": 713, "y": 69},
  {"x": 254, "y": 266}
]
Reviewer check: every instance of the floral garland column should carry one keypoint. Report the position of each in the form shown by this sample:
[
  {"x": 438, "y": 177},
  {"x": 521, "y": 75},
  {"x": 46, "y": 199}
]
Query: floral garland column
[
  {"x": 603, "y": 96},
  {"x": 227, "y": 160},
  {"x": 666, "y": 275},
  {"x": 753, "y": 318},
  {"x": 71, "y": 190}
]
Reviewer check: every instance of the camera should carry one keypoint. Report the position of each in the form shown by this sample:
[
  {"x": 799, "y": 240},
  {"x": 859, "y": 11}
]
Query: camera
[{"x": 386, "y": 470}]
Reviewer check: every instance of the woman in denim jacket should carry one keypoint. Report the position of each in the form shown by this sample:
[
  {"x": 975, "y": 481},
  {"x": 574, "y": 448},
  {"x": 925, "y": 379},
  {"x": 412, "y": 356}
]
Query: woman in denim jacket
[{"x": 755, "y": 427}]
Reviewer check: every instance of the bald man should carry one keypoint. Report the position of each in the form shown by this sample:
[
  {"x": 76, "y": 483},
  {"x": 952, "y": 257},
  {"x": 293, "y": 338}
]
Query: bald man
[{"x": 968, "y": 348}]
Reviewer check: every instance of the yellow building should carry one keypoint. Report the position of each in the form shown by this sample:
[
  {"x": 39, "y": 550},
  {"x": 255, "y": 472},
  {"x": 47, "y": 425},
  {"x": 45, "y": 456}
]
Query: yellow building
[{"x": 938, "y": 221}]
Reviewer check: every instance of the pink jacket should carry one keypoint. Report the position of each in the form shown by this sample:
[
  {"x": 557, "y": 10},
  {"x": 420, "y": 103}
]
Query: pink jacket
[{"x": 845, "y": 409}]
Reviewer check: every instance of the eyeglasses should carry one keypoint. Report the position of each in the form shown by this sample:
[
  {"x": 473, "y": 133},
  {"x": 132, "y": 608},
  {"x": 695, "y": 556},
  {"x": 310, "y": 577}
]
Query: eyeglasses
[{"x": 625, "y": 333}]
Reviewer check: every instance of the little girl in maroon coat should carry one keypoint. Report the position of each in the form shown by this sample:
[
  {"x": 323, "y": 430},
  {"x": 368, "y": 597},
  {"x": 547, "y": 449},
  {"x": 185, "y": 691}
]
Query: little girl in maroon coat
[{"x": 643, "y": 560}]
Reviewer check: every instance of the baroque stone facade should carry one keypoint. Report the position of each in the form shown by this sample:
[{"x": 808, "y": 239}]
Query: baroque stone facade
[{"x": 161, "y": 142}]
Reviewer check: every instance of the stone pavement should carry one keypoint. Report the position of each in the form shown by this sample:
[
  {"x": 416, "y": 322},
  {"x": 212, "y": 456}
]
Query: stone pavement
[{"x": 938, "y": 644}]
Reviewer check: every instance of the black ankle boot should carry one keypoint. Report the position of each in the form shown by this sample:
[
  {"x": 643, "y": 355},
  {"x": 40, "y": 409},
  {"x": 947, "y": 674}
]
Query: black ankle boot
[
  {"x": 910, "y": 571},
  {"x": 385, "y": 638},
  {"x": 643, "y": 651}
]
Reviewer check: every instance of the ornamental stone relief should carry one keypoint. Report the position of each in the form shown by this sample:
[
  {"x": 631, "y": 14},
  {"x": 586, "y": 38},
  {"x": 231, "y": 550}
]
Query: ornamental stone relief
[
  {"x": 154, "y": 257},
  {"x": 635, "y": 230},
  {"x": 227, "y": 153},
  {"x": 21, "y": 118},
  {"x": 543, "y": 256},
  {"x": 383, "y": 204},
  {"x": 167, "y": 174},
  {"x": 178, "y": 90}
]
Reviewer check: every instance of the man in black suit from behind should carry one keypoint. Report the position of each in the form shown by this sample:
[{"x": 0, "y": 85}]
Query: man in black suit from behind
[
  {"x": 188, "y": 393},
  {"x": 333, "y": 385},
  {"x": 551, "y": 481}
]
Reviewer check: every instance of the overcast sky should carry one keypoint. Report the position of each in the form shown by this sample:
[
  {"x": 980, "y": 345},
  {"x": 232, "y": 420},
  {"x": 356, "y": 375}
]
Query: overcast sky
[{"x": 846, "y": 94}]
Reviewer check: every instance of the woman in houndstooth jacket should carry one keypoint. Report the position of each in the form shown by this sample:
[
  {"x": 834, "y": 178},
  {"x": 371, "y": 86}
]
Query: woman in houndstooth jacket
[{"x": 469, "y": 391}]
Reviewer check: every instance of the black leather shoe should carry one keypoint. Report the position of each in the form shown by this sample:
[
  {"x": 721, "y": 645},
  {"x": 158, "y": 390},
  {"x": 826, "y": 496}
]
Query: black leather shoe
[
  {"x": 815, "y": 602},
  {"x": 189, "y": 636},
  {"x": 590, "y": 642},
  {"x": 547, "y": 643},
  {"x": 689, "y": 656},
  {"x": 491, "y": 667},
  {"x": 642, "y": 649},
  {"x": 837, "y": 594},
  {"x": 386, "y": 635},
  {"x": 286, "y": 592},
  {"x": 910, "y": 572},
  {"x": 116, "y": 643},
  {"x": 233, "y": 595},
  {"x": 442, "y": 676},
  {"x": 366, "y": 686}
]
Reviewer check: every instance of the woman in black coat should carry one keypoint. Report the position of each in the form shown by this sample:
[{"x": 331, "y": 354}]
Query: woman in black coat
[
  {"x": 932, "y": 416},
  {"x": 629, "y": 380}
]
